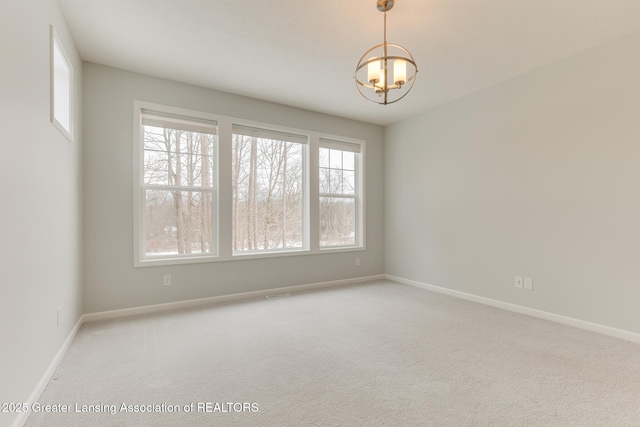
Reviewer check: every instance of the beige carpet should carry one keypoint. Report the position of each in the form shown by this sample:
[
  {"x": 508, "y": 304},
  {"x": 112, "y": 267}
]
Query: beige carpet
[{"x": 377, "y": 354}]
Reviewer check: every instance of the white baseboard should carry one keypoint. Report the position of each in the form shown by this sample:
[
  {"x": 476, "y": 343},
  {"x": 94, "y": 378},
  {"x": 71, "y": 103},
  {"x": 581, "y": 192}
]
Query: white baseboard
[
  {"x": 582, "y": 324},
  {"x": 46, "y": 377},
  {"x": 223, "y": 298},
  {"x": 558, "y": 318}
]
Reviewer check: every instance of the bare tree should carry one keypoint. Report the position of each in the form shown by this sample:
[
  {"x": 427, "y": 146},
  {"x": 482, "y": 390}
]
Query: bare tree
[{"x": 267, "y": 184}]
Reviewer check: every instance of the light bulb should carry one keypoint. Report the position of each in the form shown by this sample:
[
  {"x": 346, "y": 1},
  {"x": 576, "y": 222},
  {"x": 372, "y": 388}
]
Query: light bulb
[
  {"x": 399, "y": 71},
  {"x": 373, "y": 71}
]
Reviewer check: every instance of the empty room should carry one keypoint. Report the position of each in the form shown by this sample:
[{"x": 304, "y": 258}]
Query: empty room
[{"x": 306, "y": 213}]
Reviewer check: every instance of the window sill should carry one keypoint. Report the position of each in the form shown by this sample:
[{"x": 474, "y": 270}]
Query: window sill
[
  {"x": 243, "y": 256},
  {"x": 155, "y": 262}
]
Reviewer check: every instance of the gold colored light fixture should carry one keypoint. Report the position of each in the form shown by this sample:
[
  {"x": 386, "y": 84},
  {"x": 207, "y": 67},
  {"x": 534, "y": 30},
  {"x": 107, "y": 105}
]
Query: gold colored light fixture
[{"x": 389, "y": 71}]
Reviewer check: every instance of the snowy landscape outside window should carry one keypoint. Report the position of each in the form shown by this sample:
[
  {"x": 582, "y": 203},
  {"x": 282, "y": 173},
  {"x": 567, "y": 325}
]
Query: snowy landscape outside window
[
  {"x": 179, "y": 185},
  {"x": 339, "y": 191},
  {"x": 268, "y": 184}
]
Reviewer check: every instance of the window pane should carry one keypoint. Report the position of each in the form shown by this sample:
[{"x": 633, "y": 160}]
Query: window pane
[
  {"x": 178, "y": 222},
  {"x": 340, "y": 177},
  {"x": 267, "y": 184},
  {"x": 348, "y": 160},
  {"x": 336, "y": 181},
  {"x": 175, "y": 157},
  {"x": 335, "y": 159},
  {"x": 324, "y": 157},
  {"x": 156, "y": 167},
  {"x": 337, "y": 221},
  {"x": 348, "y": 182},
  {"x": 325, "y": 180},
  {"x": 61, "y": 88},
  {"x": 338, "y": 215}
]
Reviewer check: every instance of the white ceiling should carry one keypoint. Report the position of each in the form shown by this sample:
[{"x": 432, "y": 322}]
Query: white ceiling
[{"x": 303, "y": 52}]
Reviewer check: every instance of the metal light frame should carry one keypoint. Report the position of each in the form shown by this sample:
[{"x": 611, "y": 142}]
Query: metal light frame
[{"x": 375, "y": 90}]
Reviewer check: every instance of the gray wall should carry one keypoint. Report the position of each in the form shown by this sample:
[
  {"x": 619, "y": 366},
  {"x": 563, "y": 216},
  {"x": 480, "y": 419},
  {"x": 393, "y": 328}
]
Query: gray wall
[
  {"x": 111, "y": 282},
  {"x": 537, "y": 176},
  {"x": 40, "y": 214}
]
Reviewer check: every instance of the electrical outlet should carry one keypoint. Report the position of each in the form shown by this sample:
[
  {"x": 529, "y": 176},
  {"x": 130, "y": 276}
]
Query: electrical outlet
[
  {"x": 528, "y": 283},
  {"x": 357, "y": 261},
  {"x": 167, "y": 280},
  {"x": 58, "y": 317},
  {"x": 518, "y": 282}
]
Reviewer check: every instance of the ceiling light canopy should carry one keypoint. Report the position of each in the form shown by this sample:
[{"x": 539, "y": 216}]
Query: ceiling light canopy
[{"x": 389, "y": 70}]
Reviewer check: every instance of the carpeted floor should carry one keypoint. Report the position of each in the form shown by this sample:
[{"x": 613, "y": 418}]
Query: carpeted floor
[{"x": 376, "y": 354}]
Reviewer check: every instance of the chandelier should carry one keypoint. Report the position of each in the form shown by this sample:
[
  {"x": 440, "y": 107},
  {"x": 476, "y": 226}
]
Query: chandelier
[{"x": 389, "y": 71}]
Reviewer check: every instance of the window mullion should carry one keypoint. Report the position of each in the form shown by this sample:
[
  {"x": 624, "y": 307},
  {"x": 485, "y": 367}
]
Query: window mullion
[
  {"x": 225, "y": 194},
  {"x": 313, "y": 202}
]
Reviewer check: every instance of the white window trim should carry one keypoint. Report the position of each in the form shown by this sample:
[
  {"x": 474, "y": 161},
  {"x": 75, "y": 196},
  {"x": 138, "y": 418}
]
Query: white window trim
[
  {"x": 223, "y": 202},
  {"x": 55, "y": 42},
  {"x": 140, "y": 259}
]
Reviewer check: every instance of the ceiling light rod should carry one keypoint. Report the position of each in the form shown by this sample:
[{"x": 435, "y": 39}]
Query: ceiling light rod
[{"x": 372, "y": 75}]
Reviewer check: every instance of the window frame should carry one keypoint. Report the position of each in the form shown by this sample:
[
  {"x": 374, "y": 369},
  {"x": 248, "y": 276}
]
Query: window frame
[
  {"x": 265, "y": 129},
  {"x": 140, "y": 188},
  {"x": 223, "y": 200},
  {"x": 358, "y": 193}
]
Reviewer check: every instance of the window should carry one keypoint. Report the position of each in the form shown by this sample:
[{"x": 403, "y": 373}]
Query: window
[
  {"x": 216, "y": 188},
  {"x": 339, "y": 192},
  {"x": 268, "y": 183},
  {"x": 61, "y": 87},
  {"x": 178, "y": 190}
]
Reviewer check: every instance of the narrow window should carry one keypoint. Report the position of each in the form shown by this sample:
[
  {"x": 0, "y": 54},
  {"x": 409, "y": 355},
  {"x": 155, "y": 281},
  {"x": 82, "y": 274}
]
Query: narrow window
[
  {"x": 178, "y": 186},
  {"x": 61, "y": 87},
  {"x": 268, "y": 184},
  {"x": 340, "y": 194}
]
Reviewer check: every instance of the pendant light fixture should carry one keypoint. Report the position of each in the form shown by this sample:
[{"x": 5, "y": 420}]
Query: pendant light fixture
[{"x": 386, "y": 72}]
